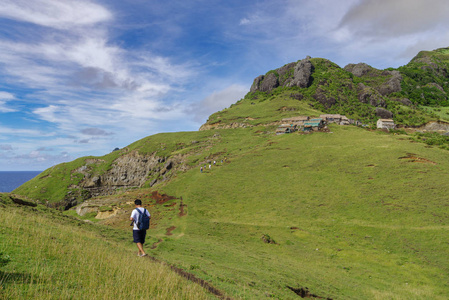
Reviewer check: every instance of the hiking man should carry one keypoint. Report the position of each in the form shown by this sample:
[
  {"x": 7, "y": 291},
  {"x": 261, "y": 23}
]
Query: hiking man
[{"x": 138, "y": 234}]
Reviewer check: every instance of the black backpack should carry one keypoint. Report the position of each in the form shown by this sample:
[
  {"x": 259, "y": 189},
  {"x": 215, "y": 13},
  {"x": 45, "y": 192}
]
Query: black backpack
[{"x": 143, "y": 221}]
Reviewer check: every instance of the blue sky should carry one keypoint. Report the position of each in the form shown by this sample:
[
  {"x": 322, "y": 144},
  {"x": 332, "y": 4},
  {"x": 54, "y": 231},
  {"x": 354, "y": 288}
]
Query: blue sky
[{"x": 81, "y": 77}]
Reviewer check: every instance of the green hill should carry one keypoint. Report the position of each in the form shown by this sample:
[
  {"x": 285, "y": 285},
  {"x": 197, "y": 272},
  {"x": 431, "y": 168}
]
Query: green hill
[{"x": 352, "y": 213}]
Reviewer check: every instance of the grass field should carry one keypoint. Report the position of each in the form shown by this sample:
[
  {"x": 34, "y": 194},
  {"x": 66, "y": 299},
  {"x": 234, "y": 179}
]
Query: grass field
[
  {"x": 51, "y": 256},
  {"x": 441, "y": 112},
  {"x": 354, "y": 214},
  {"x": 351, "y": 214}
]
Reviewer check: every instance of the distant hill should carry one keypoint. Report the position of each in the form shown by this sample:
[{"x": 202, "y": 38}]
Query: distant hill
[{"x": 358, "y": 91}]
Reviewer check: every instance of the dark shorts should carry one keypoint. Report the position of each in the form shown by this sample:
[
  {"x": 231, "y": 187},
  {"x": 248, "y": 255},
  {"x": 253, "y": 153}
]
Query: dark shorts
[{"x": 139, "y": 236}]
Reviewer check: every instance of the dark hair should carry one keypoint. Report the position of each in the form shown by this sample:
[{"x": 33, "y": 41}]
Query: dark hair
[{"x": 138, "y": 202}]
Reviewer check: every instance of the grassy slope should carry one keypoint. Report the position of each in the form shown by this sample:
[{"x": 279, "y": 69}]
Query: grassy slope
[
  {"x": 55, "y": 257},
  {"x": 372, "y": 223}
]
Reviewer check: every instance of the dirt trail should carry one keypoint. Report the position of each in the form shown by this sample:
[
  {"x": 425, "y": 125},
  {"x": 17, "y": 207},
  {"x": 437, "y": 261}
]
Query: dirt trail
[
  {"x": 304, "y": 293},
  {"x": 211, "y": 289}
]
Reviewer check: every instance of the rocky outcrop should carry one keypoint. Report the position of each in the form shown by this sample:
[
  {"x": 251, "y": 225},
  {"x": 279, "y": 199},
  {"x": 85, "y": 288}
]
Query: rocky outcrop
[
  {"x": 370, "y": 96},
  {"x": 256, "y": 84},
  {"x": 207, "y": 126},
  {"x": 440, "y": 127},
  {"x": 103, "y": 208},
  {"x": 131, "y": 170},
  {"x": 269, "y": 82},
  {"x": 429, "y": 65},
  {"x": 293, "y": 74},
  {"x": 360, "y": 69},
  {"x": 302, "y": 74},
  {"x": 321, "y": 97},
  {"x": 403, "y": 101},
  {"x": 383, "y": 113},
  {"x": 391, "y": 85}
]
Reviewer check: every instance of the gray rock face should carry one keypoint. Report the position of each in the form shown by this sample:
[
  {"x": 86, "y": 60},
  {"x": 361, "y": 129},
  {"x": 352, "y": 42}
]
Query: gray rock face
[
  {"x": 284, "y": 77},
  {"x": 321, "y": 97},
  {"x": 383, "y": 113},
  {"x": 269, "y": 82},
  {"x": 128, "y": 171},
  {"x": 359, "y": 69},
  {"x": 392, "y": 85},
  {"x": 256, "y": 84},
  {"x": 431, "y": 66},
  {"x": 370, "y": 96},
  {"x": 404, "y": 101},
  {"x": 302, "y": 74},
  {"x": 441, "y": 127}
]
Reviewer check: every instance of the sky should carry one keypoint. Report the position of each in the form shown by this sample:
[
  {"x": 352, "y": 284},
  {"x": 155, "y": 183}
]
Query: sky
[{"x": 83, "y": 77}]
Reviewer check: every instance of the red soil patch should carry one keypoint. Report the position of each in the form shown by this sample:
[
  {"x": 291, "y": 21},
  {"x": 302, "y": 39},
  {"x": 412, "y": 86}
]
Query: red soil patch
[
  {"x": 181, "y": 209},
  {"x": 161, "y": 198},
  {"x": 304, "y": 293},
  {"x": 154, "y": 246},
  {"x": 169, "y": 230},
  {"x": 416, "y": 159}
]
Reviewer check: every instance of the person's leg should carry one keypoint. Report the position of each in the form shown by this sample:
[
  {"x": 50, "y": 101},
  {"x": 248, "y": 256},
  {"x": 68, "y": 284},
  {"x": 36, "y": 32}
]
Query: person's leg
[
  {"x": 139, "y": 242},
  {"x": 140, "y": 247},
  {"x": 142, "y": 234}
]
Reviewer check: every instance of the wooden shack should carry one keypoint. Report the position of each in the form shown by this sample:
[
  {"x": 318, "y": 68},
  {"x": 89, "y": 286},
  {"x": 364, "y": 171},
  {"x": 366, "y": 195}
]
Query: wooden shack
[
  {"x": 332, "y": 118},
  {"x": 314, "y": 125},
  {"x": 298, "y": 121},
  {"x": 386, "y": 124},
  {"x": 344, "y": 121},
  {"x": 286, "y": 128}
]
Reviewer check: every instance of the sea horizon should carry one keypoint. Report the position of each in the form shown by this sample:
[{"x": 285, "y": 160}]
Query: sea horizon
[{"x": 10, "y": 180}]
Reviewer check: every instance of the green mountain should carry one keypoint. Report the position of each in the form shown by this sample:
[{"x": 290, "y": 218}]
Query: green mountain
[{"x": 352, "y": 213}]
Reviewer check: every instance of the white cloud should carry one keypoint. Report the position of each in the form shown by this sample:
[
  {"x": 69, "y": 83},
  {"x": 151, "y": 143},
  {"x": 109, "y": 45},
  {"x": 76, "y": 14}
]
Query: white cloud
[
  {"x": 61, "y": 14},
  {"x": 244, "y": 21},
  {"x": 217, "y": 101},
  {"x": 95, "y": 132},
  {"x": 4, "y": 98},
  {"x": 387, "y": 33},
  {"x": 24, "y": 132},
  {"x": 385, "y": 19}
]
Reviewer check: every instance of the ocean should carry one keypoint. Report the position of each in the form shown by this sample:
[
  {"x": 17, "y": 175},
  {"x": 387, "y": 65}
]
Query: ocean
[{"x": 10, "y": 180}]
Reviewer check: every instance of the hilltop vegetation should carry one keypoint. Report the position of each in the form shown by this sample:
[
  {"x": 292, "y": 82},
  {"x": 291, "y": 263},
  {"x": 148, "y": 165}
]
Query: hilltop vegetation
[
  {"x": 358, "y": 91},
  {"x": 349, "y": 214}
]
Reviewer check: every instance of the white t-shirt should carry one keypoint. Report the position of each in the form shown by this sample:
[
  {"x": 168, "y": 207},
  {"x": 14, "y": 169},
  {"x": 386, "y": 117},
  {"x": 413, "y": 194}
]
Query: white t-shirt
[{"x": 135, "y": 216}]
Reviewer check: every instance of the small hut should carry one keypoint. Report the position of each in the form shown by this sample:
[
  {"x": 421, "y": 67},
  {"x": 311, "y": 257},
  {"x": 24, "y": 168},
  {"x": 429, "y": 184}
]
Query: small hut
[
  {"x": 332, "y": 118},
  {"x": 314, "y": 125},
  {"x": 298, "y": 121},
  {"x": 386, "y": 124}
]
